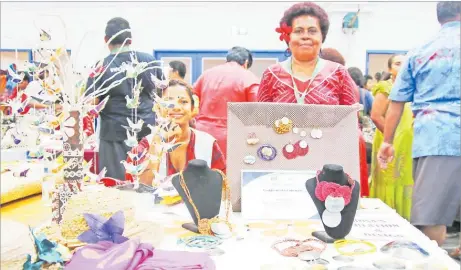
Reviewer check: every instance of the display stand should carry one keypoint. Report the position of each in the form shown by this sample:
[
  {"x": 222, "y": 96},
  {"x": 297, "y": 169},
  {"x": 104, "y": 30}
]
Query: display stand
[
  {"x": 332, "y": 173},
  {"x": 203, "y": 189}
]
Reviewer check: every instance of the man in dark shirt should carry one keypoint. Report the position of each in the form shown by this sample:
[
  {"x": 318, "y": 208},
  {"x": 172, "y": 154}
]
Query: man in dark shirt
[{"x": 112, "y": 135}]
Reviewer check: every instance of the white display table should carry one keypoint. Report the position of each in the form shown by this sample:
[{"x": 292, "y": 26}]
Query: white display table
[{"x": 255, "y": 251}]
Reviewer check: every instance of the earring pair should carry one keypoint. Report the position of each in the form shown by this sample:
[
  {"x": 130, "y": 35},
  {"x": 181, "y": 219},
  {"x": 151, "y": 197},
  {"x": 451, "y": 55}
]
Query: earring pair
[{"x": 299, "y": 149}]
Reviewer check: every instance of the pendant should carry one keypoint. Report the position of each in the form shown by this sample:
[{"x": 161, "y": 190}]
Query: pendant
[
  {"x": 252, "y": 139},
  {"x": 316, "y": 133},
  {"x": 289, "y": 152},
  {"x": 334, "y": 204},
  {"x": 331, "y": 220},
  {"x": 249, "y": 159},
  {"x": 267, "y": 152},
  {"x": 203, "y": 226},
  {"x": 302, "y": 148}
]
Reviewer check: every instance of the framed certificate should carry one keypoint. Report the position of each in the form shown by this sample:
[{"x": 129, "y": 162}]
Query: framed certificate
[{"x": 276, "y": 195}]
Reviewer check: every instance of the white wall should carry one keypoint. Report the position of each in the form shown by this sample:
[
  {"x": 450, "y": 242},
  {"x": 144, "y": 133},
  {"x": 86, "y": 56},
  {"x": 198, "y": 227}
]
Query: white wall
[{"x": 188, "y": 25}]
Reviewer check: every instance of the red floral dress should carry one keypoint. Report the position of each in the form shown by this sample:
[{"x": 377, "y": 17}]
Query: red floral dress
[{"x": 331, "y": 86}]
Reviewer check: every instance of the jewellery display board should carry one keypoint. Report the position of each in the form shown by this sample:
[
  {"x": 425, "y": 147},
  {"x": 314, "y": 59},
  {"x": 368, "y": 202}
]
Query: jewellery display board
[{"x": 305, "y": 137}]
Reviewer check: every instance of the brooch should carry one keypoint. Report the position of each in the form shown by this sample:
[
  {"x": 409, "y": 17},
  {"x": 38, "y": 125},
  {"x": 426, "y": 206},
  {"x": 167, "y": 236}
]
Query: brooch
[
  {"x": 249, "y": 159},
  {"x": 252, "y": 139},
  {"x": 282, "y": 126},
  {"x": 267, "y": 152}
]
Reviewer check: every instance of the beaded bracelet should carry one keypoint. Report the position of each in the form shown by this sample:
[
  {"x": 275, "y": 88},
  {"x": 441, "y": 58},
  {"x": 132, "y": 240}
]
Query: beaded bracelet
[
  {"x": 201, "y": 241},
  {"x": 299, "y": 247},
  {"x": 342, "y": 243}
]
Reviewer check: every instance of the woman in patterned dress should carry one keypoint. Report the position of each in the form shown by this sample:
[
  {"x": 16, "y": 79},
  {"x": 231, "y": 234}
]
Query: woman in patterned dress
[
  {"x": 305, "y": 78},
  {"x": 393, "y": 185}
]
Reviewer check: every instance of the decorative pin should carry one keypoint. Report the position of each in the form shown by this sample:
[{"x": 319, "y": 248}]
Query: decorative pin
[
  {"x": 303, "y": 133},
  {"x": 289, "y": 152},
  {"x": 249, "y": 159},
  {"x": 267, "y": 152},
  {"x": 252, "y": 139},
  {"x": 302, "y": 148},
  {"x": 316, "y": 133},
  {"x": 282, "y": 126}
]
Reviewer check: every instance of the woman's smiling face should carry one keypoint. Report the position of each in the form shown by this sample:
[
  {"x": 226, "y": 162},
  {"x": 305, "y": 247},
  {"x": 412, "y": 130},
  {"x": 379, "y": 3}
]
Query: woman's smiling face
[{"x": 181, "y": 111}]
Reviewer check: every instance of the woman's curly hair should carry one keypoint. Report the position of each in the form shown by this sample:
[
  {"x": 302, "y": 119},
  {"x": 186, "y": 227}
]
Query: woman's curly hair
[{"x": 311, "y": 9}]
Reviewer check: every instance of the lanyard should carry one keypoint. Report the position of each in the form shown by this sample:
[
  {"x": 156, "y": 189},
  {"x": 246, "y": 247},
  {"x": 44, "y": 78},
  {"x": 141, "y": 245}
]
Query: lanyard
[{"x": 300, "y": 96}]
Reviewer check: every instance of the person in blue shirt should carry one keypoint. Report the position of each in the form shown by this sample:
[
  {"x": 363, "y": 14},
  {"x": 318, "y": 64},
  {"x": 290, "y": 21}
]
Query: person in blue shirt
[{"x": 430, "y": 80}]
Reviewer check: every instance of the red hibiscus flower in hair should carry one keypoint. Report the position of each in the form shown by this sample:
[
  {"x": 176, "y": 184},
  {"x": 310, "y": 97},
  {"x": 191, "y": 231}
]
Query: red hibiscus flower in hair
[
  {"x": 284, "y": 30},
  {"x": 325, "y": 189}
]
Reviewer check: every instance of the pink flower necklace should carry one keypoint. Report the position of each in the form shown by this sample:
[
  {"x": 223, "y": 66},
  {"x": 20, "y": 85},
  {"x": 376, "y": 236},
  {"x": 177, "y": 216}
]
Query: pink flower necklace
[{"x": 336, "y": 197}]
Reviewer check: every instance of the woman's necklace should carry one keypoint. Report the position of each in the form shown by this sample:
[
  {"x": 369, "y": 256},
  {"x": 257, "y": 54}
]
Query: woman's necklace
[
  {"x": 301, "y": 95},
  {"x": 204, "y": 225}
]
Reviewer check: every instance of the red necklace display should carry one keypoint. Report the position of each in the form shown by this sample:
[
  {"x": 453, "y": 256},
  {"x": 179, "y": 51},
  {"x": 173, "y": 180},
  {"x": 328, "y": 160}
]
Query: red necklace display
[{"x": 336, "y": 197}]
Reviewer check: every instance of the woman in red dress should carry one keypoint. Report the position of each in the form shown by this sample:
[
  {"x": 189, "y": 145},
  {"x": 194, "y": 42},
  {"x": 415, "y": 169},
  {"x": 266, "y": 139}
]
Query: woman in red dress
[{"x": 305, "y": 78}]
